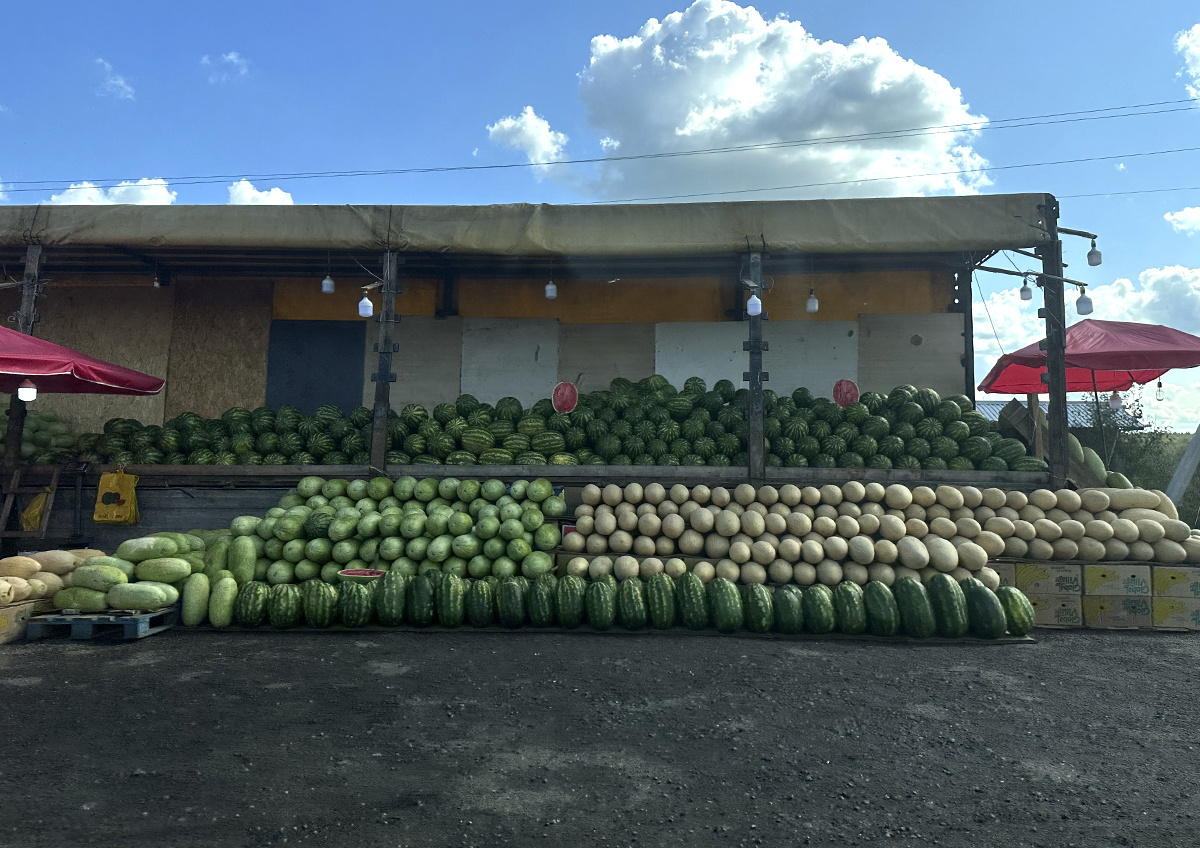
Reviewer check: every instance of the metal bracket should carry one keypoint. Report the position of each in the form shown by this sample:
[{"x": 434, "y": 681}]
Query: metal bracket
[
  {"x": 760, "y": 345},
  {"x": 763, "y": 376},
  {"x": 375, "y": 378},
  {"x": 395, "y": 347}
]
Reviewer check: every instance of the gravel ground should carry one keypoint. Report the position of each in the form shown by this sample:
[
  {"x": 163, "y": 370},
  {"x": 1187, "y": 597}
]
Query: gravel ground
[{"x": 444, "y": 738}]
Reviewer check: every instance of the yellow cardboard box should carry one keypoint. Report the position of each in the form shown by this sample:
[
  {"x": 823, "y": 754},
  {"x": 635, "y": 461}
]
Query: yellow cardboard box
[
  {"x": 1007, "y": 572},
  {"x": 1119, "y": 580},
  {"x": 1117, "y": 612},
  {"x": 1176, "y": 613},
  {"x": 1057, "y": 610},
  {"x": 1172, "y": 581},
  {"x": 1048, "y": 578},
  {"x": 13, "y": 619}
]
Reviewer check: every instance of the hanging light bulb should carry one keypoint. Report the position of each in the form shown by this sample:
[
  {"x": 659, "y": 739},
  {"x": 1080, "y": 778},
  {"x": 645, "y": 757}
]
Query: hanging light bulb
[
  {"x": 551, "y": 290},
  {"x": 365, "y": 308},
  {"x": 27, "y": 391},
  {"x": 754, "y": 306},
  {"x": 1114, "y": 401},
  {"x": 1158, "y": 393},
  {"x": 327, "y": 285},
  {"x": 1084, "y": 304},
  {"x": 812, "y": 304},
  {"x": 1026, "y": 291},
  {"x": 1093, "y": 255}
]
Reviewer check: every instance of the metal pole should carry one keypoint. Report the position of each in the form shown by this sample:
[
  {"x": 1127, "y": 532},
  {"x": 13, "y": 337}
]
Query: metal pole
[
  {"x": 755, "y": 440},
  {"x": 1055, "y": 316},
  {"x": 963, "y": 280},
  {"x": 384, "y": 377}
]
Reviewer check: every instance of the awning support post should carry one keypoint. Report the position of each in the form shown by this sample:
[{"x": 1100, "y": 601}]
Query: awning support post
[
  {"x": 384, "y": 377},
  {"x": 1055, "y": 316},
  {"x": 25, "y": 318},
  {"x": 755, "y": 439}
]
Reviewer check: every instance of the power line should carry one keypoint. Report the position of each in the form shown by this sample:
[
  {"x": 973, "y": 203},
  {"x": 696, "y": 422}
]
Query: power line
[{"x": 1076, "y": 116}]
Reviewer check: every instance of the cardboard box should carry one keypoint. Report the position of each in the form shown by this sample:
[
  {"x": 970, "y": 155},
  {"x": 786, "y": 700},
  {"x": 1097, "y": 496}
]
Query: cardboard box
[
  {"x": 1110, "y": 579},
  {"x": 1048, "y": 578},
  {"x": 1117, "y": 612},
  {"x": 1057, "y": 610},
  {"x": 1176, "y": 613},
  {"x": 13, "y": 619},
  {"x": 1007, "y": 572},
  {"x": 1172, "y": 581}
]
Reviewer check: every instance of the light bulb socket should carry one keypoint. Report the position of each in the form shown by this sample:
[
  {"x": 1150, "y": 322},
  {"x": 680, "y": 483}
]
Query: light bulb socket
[
  {"x": 327, "y": 285},
  {"x": 1084, "y": 304},
  {"x": 1115, "y": 402},
  {"x": 812, "y": 304},
  {"x": 551, "y": 290},
  {"x": 27, "y": 391},
  {"x": 365, "y": 308},
  {"x": 1026, "y": 292},
  {"x": 1093, "y": 256}
]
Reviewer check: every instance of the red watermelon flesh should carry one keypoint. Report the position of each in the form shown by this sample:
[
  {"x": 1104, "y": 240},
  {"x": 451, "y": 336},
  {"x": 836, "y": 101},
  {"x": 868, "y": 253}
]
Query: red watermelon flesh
[
  {"x": 845, "y": 392},
  {"x": 564, "y": 397}
]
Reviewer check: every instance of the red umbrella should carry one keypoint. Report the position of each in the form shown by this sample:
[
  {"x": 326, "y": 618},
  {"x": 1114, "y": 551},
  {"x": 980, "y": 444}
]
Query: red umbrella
[
  {"x": 1101, "y": 356},
  {"x": 57, "y": 369}
]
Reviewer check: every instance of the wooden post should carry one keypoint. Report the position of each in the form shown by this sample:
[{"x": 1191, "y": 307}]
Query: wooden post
[
  {"x": 1054, "y": 314},
  {"x": 384, "y": 377},
  {"x": 755, "y": 439},
  {"x": 1033, "y": 403},
  {"x": 25, "y": 318}
]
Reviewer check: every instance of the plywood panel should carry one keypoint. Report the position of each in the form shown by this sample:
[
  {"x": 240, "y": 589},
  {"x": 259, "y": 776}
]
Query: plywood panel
[
  {"x": 925, "y": 350},
  {"x": 591, "y": 355},
  {"x": 509, "y": 356},
  {"x": 218, "y": 345},
  {"x": 126, "y": 325},
  {"x": 801, "y": 353},
  {"x": 843, "y": 297},
  {"x": 427, "y": 365},
  {"x": 589, "y": 301}
]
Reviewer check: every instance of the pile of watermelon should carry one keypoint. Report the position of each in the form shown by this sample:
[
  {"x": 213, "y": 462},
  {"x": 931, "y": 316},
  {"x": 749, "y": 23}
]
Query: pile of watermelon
[
  {"x": 943, "y": 608},
  {"x": 45, "y": 438},
  {"x": 645, "y": 423}
]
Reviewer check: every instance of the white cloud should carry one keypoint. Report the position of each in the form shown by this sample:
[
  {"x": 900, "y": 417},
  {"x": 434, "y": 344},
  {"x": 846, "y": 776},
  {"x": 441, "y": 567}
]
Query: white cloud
[
  {"x": 226, "y": 68},
  {"x": 1185, "y": 220},
  {"x": 1187, "y": 44},
  {"x": 144, "y": 192},
  {"x": 243, "y": 193},
  {"x": 530, "y": 134},
  {"x": 1169, "y": 296},
  {"x": 113, "y": 84},
  {"x": 718, "y": 74}
]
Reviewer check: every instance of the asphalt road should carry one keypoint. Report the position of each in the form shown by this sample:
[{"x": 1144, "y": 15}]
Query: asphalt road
[{"x": 378, "y": 738}]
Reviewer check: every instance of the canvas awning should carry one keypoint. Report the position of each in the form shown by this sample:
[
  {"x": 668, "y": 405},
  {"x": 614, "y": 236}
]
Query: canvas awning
[{"x": 56, "y": 369}]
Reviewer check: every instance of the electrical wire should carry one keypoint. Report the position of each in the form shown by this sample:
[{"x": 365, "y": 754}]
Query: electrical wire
[
  {"x": 983, "y": 299},
  {"x": 1002, "y": 123}
]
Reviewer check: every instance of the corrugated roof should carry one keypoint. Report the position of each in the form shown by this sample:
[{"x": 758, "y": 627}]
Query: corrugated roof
[{"x": 1080, "y": 413}]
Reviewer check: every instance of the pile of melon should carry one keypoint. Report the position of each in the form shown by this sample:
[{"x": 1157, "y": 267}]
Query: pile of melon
[
  {"x": 39, "y": 575},
  {"x": 861, "y": 532}
]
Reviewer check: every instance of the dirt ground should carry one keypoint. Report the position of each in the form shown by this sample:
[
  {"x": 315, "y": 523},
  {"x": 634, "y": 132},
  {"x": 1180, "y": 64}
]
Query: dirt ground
[{"x": 443, "y": 738}]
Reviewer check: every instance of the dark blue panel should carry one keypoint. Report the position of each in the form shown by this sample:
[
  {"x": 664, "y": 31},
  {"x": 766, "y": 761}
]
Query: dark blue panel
[{"x": 314, "y": 362}]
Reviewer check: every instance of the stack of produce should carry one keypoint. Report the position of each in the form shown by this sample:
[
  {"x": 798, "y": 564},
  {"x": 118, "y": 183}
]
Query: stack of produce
[
  {"x": 146, "y": 573},
  {"x": 46, "y": 439},
  {"x": 645, "y": 423},
  {"x": 860, "y": 532},
  {"x": 38, "y": 576}
]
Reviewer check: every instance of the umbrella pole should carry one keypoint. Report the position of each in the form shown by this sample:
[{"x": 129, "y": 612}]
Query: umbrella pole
[{"x": 1099, "y": 419}]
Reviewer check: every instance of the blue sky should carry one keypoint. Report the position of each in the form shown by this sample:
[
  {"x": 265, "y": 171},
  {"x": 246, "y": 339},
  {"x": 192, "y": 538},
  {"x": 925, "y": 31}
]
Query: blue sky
[{"x": 159, "y": 92}]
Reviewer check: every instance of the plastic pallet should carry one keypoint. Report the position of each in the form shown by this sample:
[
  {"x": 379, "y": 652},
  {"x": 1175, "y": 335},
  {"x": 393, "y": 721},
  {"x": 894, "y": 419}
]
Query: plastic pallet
[{"x": 93, "y": 625}]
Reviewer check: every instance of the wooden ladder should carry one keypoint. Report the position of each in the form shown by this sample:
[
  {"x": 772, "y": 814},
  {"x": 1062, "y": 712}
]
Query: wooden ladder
[{"x": 12, "y": 490}]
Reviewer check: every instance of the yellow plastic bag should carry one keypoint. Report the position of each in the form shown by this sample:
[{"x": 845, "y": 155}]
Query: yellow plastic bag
[
  {"x": 31, "y": 516},
  {"x": 116, "y": 500}
]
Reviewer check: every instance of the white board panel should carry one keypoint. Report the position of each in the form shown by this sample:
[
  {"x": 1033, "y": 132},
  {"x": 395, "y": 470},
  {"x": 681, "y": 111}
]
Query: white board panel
[
  {"x": 426, "y": 366},
  {"x": 802, "y": 353},
  {"x": 591, "y": 355},
  {"x": 509, "y": 356},
  {"x": 925, "y": 350}
]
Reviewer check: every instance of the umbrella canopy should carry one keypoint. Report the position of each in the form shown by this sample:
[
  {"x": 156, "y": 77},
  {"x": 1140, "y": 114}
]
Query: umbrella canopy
[
  {"x": 60, "y": 370},
  {"x": 1101, "y": 355}
]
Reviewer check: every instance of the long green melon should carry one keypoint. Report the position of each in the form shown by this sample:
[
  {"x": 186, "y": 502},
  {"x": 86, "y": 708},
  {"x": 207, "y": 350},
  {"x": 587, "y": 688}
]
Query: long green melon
[
  {"x": 819, "y": 615},
  {"x": 601, "y": 605},
  {"x": 355, "y": 604},
  {"x": 420, "y": 601},
  {"x": 283, "y": 606},
  {"x": 984, "y": 610},
  {"x": 949, "y": 605},
  {"x": 541, "y": 601},
  {"x": 195, "y": 599},
  {"x": 1018, "y": 611},
  {"x": 221, "y": 601},
  {"x": 569, "y": 600},
  {"x": 691, "y": 599},
  {"x": 848, "y": 608},
  {"x": 760, "y": 611},
  {"x": 916, "y": 613},
  {"x": 789, "y": 610},
  {"x": 631, "y": 604},
  {"x": 450, "y": 610},
  {"x": 883, "y": 616},
  {"x": 250, "y": 608},
  {"x": 510, "y": 602},
  {"x": 320, "y": 603},
  {"x": 660, "y": 601},
  {"x": 480, "y": 604},
  {"x": 726, "y": 605},
  {"x": 391, "y": 600}
]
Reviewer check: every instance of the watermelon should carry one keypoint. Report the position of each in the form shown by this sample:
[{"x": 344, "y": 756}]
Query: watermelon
[
  {"x": 916, "y": 613},
  {"x": 250, "y": 607},
  {"x": 420, "y": 600},
  {"x": 819, "y": 615},
  {"x": 849, "y": 608},
  {"x": 985, "y": 612},
  {"x": 541, "y": 601},
  {"x": 883, "y": 616},
  {"x": 1018, "y": 611},
  {"x": 788, "y": 610},
  {"x": 569, "y": 601},
  {"x": 480, "y": 604},
  {"x": 760, "y": 611},
  {"x": 726, "y": 605},
  {"x": 355, "y": 604},
  {"x": 949, "y": 606},
  {"x": 691, "y": 599},
  {"x": 600, "y": 600},
  {"x": 284, "y": 606},
  {"x": 319, "y": 602},
  {"x": 631, "y": 604},
  {"x": 390, "y": 601},
  {"x": 510, "y": 602},
  {"x": 660, "y": 600},
  {"x": 449, "y": 601}
]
